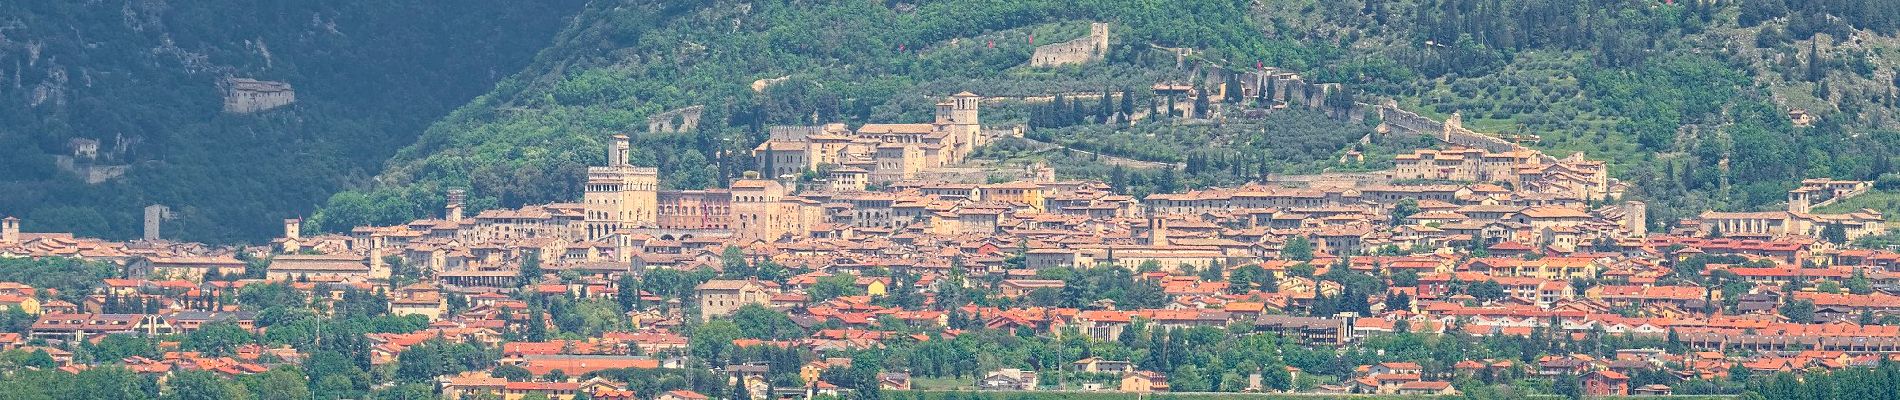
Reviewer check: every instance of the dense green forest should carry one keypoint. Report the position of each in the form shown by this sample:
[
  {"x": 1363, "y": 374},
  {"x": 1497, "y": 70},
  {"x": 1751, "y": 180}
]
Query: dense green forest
[{"x": 142, "y": 77}]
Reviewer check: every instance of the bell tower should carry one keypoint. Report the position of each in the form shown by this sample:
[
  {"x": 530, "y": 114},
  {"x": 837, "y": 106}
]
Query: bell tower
[
  {"x": 10, "y": 230},
  {"x": 454, "y": 209}
]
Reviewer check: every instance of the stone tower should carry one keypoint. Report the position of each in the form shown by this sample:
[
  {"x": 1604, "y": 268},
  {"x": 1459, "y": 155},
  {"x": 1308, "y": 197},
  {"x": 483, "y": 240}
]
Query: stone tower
[
  {"x": 1098, "y": 38},
  {"x": 619, "y": 195},
  {"x": 1157, "y": 230},
  {"x": 1636, "y": 218},
  {"x": 453, "y": 210},
  {"x": 1453, "y": 123},
  {"x": 155, "y": 215},
  {"x": 958, "y": 117},
  {"x": 293, "y": 235},
  {"x": 1801, "y": 200},
  {"x": 10, "y": 230}
]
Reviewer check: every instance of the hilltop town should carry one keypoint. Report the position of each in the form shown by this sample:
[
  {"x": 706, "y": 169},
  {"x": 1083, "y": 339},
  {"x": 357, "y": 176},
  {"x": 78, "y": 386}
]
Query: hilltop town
[{"x": 841, "y": 270}]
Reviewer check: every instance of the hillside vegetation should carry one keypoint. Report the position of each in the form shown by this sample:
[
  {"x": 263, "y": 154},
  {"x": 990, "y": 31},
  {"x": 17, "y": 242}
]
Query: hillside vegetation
[
  {"x": 853, "y": 61},
  {"x": 1688, "y": 100},
  {"x": 141, "y": 77}
]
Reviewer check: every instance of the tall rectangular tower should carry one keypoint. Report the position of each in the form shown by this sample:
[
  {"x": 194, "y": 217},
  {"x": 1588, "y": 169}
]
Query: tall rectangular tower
[
  {"x": 620, "y": 196},
  {"x": 154, "y": 215},
  {"x": 957, "y": 117}
]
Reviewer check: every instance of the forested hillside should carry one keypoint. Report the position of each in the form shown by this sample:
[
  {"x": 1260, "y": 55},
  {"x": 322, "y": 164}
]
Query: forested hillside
[
  {"x": 851, "y": 61},
  {"x": 142, "y": 78},
  {"x": 1688, "y": 100}
]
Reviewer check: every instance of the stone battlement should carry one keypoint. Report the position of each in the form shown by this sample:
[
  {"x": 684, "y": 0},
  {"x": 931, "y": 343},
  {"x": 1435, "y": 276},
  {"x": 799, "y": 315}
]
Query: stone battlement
[{"x": 1079, "y": 51}]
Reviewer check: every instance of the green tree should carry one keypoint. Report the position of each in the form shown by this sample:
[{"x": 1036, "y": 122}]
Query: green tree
[
  {"x": 1399, "y": 301},
  {"x": 732, "y": 263},
  {"x": 115, "y": 347},
  {"x": 627, "y": 292},
  {"x": 1297, "y": 249},
  {"x": 274, "y": 294},
  {"x": 591, "y": 317},
  {"x": 511, "y": 373},
  {"x": 1487, "y": 290},
  {"x": 1213, "y": 273},
  {"x": 1859, "y": 284},
  {"x": 1568, "y": 386},
  {"x": 712, "y": 341},
  {"x": 1834, "y": 233},
  {"x": 201, "y": 385},
  {"x": 407, "y": 391},
  {"x": 1404, "y": 208},
  {"x": 218, "y": 338},
  {"x": 38, "y": 358},
  {"x": 1799, "y": 311},
  {"x": 834, "y": 286},
  {"x": 530, "y": 269},
  {"x": 1302, "y": 270},
  {"x": 758, "y": 322},
  {"x": 112, "y": 382},
  {"x": 1243, "y": 277}
]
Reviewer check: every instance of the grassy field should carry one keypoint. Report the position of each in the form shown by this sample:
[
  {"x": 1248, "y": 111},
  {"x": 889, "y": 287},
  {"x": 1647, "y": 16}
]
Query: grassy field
[{"x": 1886, "y": 202}]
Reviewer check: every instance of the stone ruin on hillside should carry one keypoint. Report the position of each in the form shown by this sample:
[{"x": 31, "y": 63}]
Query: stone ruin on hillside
[
  {"x": 1081, "y": 50},
  {"x": 677, "y": 120}
]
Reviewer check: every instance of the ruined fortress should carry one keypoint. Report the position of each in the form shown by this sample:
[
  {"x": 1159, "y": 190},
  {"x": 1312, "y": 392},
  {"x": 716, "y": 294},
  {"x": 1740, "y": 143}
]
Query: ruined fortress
[
  {"x": 86, "y": 163},
  {"x": 684, "y": 119},
  {"x": 1079, "y": 51},
  {"x": 1284, "y": 87}
]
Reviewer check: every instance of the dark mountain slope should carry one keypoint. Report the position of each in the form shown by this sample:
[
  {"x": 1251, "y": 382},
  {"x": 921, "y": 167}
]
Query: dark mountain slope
[{"x": 141, "y": 77}]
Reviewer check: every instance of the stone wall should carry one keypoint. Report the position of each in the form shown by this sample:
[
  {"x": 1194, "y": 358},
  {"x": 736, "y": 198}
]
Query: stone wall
[
  {"x": 1286, "y": 87},
  {"x": 244, "y": 95},
  {"x": 677, "y": 120},
  {"x": 1081, "y": 50},
  {"x": 1452, "y": 131},
  {"x": 88, "y": 171}
]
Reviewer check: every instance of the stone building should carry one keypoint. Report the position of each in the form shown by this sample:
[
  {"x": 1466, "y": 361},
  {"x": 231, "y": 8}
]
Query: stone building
[
  {"x": 620, "y": 196},
  {"x": 10, "y": 231},
  {"x": 720, "y": 297},
  {"x": 1800, "y": 218},
  {"x": 761, "y": 209},
  {"x": 695, "y": 210},
  {"x": 245, "y": 95},
  {"x": 1079, "y": 51},
  {"x": 890, "y": 152}
]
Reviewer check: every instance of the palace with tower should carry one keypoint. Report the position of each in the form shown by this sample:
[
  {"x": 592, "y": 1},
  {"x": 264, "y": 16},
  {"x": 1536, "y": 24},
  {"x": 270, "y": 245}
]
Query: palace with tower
[
  {"x": 620, "y": 195},
  {"x": 874, "y": 153},
  {"x": 621, "y": 198}
]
